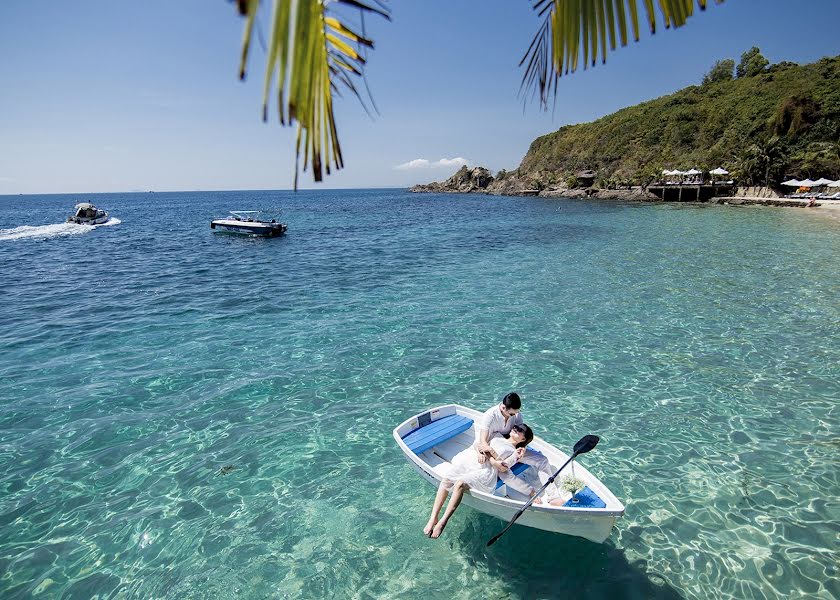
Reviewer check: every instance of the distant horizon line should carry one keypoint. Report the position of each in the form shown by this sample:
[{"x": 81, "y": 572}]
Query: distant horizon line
[{"x": 199, "y": 191}]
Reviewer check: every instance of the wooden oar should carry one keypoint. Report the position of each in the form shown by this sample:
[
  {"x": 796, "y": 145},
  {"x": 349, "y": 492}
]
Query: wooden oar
[{"x": 584, "y": 445}]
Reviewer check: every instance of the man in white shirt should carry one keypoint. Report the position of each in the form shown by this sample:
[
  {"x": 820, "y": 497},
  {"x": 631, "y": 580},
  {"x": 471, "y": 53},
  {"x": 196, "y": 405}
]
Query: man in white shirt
[{"x": 498, "y": 421}]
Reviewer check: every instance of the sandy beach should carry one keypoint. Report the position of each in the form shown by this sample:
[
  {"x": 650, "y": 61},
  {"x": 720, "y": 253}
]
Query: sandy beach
[
  {"x": 825, "y": 208},
  {"x": 828, "y": 208}
]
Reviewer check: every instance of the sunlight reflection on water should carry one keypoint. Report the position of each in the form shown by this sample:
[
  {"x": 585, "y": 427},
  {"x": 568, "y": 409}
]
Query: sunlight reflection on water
[{"x": 145, "y": 358}]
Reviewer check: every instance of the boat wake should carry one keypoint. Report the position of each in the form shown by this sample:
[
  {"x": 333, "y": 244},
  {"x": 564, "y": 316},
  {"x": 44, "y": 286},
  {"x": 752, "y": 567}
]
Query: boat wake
[{"x": 51, "y": 231}]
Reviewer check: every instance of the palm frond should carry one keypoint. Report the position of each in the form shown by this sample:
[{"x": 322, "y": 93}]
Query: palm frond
[
  {"x": 571, "y": 26},
  {"x": 311, "y": 50}
]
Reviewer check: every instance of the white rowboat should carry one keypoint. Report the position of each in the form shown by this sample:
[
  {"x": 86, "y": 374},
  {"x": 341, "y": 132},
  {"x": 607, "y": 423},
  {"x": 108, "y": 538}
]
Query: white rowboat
[{"x": 432, "y": 438}]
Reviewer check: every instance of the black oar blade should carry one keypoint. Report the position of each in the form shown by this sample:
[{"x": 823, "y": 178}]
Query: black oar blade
[
  {"x": 496, "y": 537},
  {"x": 586, "y": 443}
]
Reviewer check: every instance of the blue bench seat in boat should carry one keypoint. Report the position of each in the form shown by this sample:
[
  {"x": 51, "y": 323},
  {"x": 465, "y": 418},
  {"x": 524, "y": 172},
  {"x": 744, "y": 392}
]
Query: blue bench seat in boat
[
  {"x": 516, "y": 470},
  {"x": 436, "y": 432},
  {"x": 586, "y": 498}
]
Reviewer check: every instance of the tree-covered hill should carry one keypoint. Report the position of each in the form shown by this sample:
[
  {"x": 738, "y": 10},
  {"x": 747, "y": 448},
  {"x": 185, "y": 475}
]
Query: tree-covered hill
[{"x": 768, "y": 123}]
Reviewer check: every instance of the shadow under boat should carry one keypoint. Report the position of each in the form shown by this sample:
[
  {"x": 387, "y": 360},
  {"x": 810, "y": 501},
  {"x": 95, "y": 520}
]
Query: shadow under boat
[{"x": 531, "y": 563}]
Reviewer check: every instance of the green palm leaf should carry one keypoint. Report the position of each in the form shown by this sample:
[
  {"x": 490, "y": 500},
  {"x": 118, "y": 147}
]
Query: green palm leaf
[
  {"x": 311, "y": 50},
  {"x": 570, "y": 26}
]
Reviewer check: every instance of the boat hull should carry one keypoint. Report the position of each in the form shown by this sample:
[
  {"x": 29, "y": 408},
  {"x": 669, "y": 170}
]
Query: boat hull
[
  {"x": 593, "y": 524},
  {"x": 249, "y": 228},
  {"x": 98, "y": 220},
  {"x": 595, "y": 528}
]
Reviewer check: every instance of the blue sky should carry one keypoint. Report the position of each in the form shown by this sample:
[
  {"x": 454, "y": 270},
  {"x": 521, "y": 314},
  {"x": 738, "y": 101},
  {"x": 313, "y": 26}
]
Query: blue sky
[{"x": 104, "y": 96}]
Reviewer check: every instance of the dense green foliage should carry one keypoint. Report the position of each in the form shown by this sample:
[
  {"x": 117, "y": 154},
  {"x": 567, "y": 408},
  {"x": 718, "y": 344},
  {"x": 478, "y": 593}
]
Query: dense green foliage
[
  {"x": 784, "y": 121},
  {"x": 752, "y": 63},
  {"x": 721, "y": 71}
]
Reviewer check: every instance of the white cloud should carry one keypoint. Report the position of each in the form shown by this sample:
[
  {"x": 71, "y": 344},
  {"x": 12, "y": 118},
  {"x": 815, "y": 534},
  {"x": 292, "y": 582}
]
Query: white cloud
[
  {"x": 422, "y": 163},
  {"x": 458, "y": 161},
  {"x": 417, "y": 163}
]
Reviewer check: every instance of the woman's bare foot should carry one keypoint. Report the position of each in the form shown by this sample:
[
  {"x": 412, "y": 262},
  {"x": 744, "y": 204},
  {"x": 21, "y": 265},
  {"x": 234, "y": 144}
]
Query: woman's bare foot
[
  {"x": 427, "y": 530},
  {"x": 438, "y": 530}
]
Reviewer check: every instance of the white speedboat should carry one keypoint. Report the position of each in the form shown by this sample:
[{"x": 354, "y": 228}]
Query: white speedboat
[
  {"x": 248, "y": 222},
  {"x": 86, "y": 213},
  {"x": 432, "y": 438}
]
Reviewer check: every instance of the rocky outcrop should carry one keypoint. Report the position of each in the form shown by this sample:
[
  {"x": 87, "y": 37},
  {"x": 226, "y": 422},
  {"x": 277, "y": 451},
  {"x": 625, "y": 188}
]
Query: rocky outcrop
[
  {"x": 634, "y": 194},
  {"x": 479, "y": 180},
  {"x": 465, "y": 180},
  {"x": 756, "y": 192},
  {"x": 785, "y": 202},
  {"x": 511, "y": 185}
]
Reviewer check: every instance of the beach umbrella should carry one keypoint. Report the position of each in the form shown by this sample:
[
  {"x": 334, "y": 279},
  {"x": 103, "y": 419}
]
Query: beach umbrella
[
  {"x": 822, "y": 181},
  {"x": 792, "y": 183},
  {"x": 693, "y": 172},
  {"x": 807, "y": 183},
  {"x": 666, "y": 172},
  {"x": 834, "y": 184},
  {"x": 719, "y": 171}
]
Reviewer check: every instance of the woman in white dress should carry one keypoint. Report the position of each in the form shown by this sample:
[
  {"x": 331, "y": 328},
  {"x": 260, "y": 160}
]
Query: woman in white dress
[{"x": 465, "y": 472}]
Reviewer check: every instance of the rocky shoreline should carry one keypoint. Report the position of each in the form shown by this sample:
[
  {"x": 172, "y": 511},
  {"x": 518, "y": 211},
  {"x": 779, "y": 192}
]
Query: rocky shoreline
[{"x": 478, "y": 180}]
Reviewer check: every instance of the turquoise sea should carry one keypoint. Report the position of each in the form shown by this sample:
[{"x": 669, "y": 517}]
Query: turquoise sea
[{"x": 138, "y": 359}]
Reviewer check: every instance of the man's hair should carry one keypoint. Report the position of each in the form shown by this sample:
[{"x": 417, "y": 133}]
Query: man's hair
[{"x": 512, "y": 400}]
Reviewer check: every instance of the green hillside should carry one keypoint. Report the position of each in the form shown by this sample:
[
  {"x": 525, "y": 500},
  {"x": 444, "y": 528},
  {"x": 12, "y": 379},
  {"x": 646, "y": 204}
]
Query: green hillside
[{"x": 784, "y": 121}]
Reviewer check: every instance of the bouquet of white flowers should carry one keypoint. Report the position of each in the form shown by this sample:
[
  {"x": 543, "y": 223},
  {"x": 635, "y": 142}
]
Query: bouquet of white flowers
[{"x": 572, "y": 484}]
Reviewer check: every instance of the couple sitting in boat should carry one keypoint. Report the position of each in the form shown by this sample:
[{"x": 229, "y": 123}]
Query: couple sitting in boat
[{"x": 502, "y": 442}]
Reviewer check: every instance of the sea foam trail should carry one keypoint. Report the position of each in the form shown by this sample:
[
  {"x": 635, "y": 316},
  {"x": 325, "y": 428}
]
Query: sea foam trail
[{"x": 50, "y": 231}]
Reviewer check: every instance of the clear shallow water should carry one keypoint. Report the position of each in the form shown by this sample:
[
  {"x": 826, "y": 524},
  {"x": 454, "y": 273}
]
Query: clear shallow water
[{"x": 700, "y": 343}]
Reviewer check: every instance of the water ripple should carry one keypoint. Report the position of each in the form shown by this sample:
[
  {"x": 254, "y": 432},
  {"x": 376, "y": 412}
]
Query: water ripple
[{"x": 138, "y": 361}]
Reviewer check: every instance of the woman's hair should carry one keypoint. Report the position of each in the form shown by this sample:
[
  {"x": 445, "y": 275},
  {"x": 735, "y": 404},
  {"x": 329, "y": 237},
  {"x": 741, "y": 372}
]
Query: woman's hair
[
  {"x": 526, "y": 431},
  {"x": 512, "y": 400}
]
